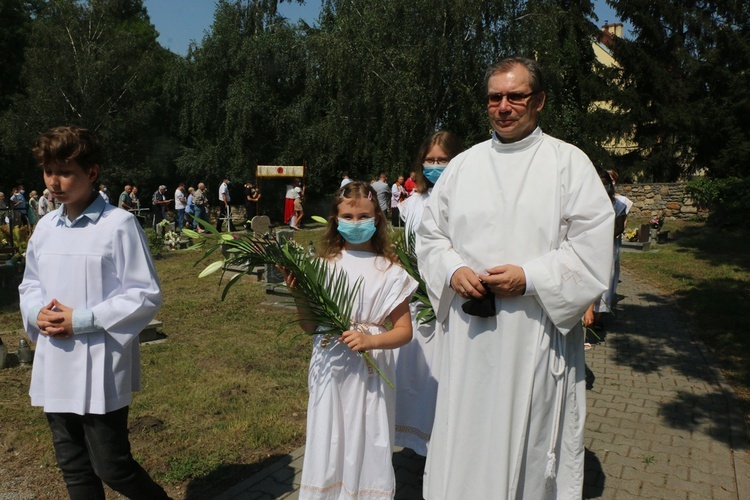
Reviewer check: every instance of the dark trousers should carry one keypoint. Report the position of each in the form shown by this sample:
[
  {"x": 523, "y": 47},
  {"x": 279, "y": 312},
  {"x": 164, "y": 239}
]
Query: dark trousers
[
  {"x": 94, "y": 448},
  {"x": 159, "y": 214},
  {"x": 395, "y": 217}
]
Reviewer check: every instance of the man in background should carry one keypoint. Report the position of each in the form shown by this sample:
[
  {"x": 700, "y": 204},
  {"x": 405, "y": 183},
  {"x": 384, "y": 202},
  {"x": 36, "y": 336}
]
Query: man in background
[
  {"x": 201, "y": 205},
  {"x": 159, "y": 202},
  {"x": 180, "y": 202},
  {"x": 225, "y": 213},
  {"x": 383, "y": 190},
  {"x": 124, "y": 201}
]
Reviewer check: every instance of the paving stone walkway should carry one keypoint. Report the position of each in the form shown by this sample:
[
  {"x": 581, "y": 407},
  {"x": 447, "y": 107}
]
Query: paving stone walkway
[{"x": 661, "y": 422}]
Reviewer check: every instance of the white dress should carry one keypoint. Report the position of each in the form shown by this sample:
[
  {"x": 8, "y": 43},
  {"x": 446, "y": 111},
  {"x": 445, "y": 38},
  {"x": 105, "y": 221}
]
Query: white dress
[
  {"x": 349, "y": 443},
  {"x": 418, "y": 362},
  {"x": 511, "y": 401}
]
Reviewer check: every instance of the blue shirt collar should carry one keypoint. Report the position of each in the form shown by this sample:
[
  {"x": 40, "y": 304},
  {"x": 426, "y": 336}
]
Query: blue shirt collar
[{"x": 92, "y": 213}]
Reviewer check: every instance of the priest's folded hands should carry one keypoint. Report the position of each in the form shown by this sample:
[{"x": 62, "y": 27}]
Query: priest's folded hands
[{"x": 505, "y": 281}]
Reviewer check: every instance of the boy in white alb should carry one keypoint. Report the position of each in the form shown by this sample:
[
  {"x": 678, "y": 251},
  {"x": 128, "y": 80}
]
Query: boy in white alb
[{"x": 89, "y": 288}]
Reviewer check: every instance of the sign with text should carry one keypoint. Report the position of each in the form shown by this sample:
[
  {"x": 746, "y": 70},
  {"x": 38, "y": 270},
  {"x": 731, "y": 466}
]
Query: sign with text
[{"x": 280, "y": 171}]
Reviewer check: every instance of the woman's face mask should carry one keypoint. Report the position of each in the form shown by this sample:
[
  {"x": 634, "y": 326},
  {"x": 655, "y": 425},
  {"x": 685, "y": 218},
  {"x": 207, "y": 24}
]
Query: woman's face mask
[
  {"x": 357, "y": 232},
  {"x": 432, "y": 172}
]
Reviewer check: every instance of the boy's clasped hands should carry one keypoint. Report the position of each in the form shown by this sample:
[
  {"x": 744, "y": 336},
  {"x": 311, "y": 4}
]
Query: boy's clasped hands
[{"x": 55, "y": 320}]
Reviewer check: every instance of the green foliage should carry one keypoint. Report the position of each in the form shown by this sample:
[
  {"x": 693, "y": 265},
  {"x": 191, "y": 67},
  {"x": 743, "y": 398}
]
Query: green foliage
[
  {"x": 360, "y": 90},
  {"x": 728, "y": 199},
  {"x": 95, "y": 64},
  {"x": 21, "y": 236},
  {"x": 324, "y": 290},
  {"x": 404, "y": 244},
  {"x": 155, "y": 243},
  {"x": 15, "y": 18},
  {"x": 559, "y": 35},
  {"x": 685, "y": 79}
]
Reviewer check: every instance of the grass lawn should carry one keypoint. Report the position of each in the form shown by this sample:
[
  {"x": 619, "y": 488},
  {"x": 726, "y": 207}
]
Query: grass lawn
[{"x": 706, "y": 271}]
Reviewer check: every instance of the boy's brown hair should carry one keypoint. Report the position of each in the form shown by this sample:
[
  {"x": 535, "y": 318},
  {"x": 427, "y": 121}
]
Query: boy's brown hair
[{"x": 68, "y": 143}]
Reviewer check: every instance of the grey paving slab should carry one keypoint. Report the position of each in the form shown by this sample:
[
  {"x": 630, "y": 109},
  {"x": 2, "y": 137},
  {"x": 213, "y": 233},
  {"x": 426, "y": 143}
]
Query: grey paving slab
[{"x": 661, "y": 421}]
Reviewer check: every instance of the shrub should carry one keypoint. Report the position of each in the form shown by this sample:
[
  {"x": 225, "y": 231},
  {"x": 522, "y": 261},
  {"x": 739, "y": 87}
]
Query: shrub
[
  {"x": 728, "y": 199},
  {"x": 155, "y": 243}
]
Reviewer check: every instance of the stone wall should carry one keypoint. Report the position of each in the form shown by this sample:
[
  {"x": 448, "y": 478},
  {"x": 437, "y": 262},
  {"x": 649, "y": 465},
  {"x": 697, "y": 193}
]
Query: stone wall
[{"x": 667, "y": 199}]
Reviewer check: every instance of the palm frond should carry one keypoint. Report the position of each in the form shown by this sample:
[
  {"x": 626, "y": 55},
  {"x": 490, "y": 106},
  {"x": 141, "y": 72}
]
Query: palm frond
[
  {"x": 405, "y": 247},
  {"x": 328, "y": 297}
]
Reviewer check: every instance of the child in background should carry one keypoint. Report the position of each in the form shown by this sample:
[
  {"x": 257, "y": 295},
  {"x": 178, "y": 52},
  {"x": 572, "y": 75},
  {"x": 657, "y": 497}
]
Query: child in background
[
  {"x": 350, "y": 412},
  {"x": 89, "y": 288}
]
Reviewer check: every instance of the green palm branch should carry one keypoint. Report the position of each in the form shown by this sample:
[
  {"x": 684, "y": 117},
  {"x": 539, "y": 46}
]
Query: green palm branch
[
  {"x": 404, "y": 245},
  {"x": 328, "y": 298}
]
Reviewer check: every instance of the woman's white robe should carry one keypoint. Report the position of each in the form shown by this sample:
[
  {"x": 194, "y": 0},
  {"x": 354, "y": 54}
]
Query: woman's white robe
[{"x": 418, "y": 362}]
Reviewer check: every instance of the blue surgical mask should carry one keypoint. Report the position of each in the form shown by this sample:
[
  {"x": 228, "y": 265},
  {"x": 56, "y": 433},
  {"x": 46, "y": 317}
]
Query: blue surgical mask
[
  {"x": 356, "y": 232},
  {"x": 432, "y": 172}
]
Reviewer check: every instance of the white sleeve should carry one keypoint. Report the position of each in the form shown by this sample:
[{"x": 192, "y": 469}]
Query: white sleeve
[
  {"x": 125, "y": 314},
  {"x": 437, "y": 258},
  {"x": 30, "y": 291},
  {"x": 570, "y": 277}
]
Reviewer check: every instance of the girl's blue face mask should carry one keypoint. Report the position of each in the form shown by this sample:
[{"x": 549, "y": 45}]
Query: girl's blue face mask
[
  {"x": 432, "y": 172},
  {"x": 357, "y": 232}
]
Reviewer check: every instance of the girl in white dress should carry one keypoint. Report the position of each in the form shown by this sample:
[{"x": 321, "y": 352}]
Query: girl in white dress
[
  {"x": 350, "y": 411},
  {"x": 418, "y": 362}
]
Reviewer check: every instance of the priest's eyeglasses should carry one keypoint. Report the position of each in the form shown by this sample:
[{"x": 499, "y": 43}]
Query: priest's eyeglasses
[{"x": 514, "y": 98}]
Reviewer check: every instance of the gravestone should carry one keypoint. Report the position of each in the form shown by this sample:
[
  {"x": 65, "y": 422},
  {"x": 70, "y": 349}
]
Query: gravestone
[
  {"x": 260, "y": 224},
  {"x": 644, "y": 233},
  {"x": 274, "y": 278}
]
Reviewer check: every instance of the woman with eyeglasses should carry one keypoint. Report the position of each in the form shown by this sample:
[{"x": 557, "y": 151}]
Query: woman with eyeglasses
[{"x": 417, "y": 362}]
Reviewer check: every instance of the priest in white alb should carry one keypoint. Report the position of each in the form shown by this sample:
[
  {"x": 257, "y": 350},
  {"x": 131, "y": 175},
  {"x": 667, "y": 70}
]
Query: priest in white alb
[{"x": 515, "y": 243}]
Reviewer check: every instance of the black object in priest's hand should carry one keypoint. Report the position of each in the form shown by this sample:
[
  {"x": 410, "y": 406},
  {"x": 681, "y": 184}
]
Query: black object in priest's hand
[{"x": 483, "y": 307}]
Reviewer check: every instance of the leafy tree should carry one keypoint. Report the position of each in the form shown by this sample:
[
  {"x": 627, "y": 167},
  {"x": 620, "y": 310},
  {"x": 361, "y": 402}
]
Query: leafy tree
[
  {"x": 237, "y": 86},
  {"x": 15, "y": 24},
  {"x": 15, "y": 19},
  {"x": 96, "y": 64},
  {"x": 360, "y": 90},
  {"x": 559, "y": 34},
  {"x": 383, "y": 75},
  {"x": 685, "y": 75}
]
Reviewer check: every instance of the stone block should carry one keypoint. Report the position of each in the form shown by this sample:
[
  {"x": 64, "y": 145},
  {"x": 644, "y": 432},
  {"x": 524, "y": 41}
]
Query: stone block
[
  {"x": 260, "y": 224},
  {"x": 688, "y": 210},
  {"x": 151, "y": 332}
]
